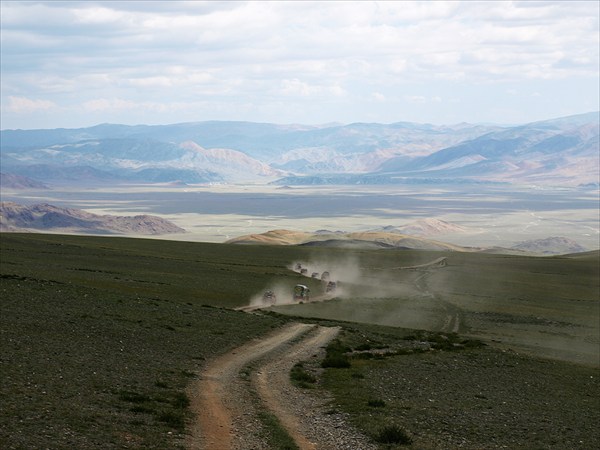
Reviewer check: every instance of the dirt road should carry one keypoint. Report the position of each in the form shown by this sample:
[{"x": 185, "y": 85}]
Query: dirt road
[
  {"x": 228, "y": 403},
  {"x": 453, "y": 319}
]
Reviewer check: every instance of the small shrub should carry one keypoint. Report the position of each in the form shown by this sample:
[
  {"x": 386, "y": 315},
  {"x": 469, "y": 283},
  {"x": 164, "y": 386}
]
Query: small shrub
[
  {"x": 337, "y": 361},
  {"x": 141, "y": 409},
  {"x": 336, "y": 346},
  {"x": 188, "y": 374},
  {"x": 137, "y": 423},
  {"x": 161, "y": 384},
  {"x": 162, "y": 399},
  {"x": 472, "y": 343},
  {"x": 357, "y": 375},
  {"x": 376, "y": 403},
  {"x": 404, "y": 351},
  {"x": 181, "y": 400},
  {"x": 335, "y": 355},
  {"x": 133, "y": 397},
  {"x": 174, "y": 419},
  {"x": 301, "y": 377},
  {"x": 363, "y": 347},
  {"x": 393, "y": 434}
]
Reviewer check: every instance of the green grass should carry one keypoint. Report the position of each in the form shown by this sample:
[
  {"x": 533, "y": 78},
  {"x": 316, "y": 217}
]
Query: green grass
[
  {"x": 544, "y": 306},
  {"x": 198, "y": 273},
  {"x": 469, "y": 396},
  {"x": 94, "y": 365}
]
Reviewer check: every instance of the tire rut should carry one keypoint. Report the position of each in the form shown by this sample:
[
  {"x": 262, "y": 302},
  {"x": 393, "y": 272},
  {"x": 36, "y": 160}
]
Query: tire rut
[
  {"x": 211, "y": 396},
  {"x": 275, "y": 373},
  {"x": 227, "y": 405}
]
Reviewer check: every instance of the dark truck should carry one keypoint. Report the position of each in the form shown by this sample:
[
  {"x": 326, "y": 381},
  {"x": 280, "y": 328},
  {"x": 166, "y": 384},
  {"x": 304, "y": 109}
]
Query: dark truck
[{"x": 301, "y": 293}]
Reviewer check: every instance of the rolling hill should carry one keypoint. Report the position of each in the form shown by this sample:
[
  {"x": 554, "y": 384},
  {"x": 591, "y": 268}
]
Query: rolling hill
[
  {"x": 45, "y": 217},
  {"x": 367, "y": 239}
]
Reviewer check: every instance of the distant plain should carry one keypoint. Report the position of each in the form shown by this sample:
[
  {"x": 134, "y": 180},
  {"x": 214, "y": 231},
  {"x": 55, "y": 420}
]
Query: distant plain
[{"x": 494, "y": 215}]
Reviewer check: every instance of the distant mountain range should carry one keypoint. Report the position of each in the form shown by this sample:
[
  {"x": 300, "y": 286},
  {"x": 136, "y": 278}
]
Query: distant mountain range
[
  {"x": 550, "y": 246},
  {"x": 12, "y": 181},
  {"x": 560, "y": 152},
  {"x": 45, "y": 217},
  {"x": 424, "y": 227}
]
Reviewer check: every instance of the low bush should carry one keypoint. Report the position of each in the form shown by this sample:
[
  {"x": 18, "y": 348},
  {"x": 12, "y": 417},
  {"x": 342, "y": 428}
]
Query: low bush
[
  {"x": 336, "y": 361},
  {"x": 175, "y": 419},
  {"x": 336, "y": 355},
  {"x": 133, "y": 397},
  {"x": 363, "y": 347},
  {"x": 336, "y": 346},
  {"x": 181, "y": 400},
  {"x": 376, "y": 403},
  {"x": 301, "y": 377},
  {"x": 393, "y": 434}
]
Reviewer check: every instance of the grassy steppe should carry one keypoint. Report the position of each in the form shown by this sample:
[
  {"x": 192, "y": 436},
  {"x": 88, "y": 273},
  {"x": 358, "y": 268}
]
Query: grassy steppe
[
  {"x": 447, "y": 396},
  {"x": 546, "y": 306},
  {"x": 101, "y": 336}
]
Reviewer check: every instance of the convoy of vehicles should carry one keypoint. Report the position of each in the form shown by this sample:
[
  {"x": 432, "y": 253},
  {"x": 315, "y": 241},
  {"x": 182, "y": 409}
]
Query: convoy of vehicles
[{"x": 301, "y": 293}]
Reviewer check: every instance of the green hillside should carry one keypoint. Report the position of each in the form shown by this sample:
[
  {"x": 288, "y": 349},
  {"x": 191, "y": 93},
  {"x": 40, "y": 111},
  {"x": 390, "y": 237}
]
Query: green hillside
[{"x": 101, "y": 336}]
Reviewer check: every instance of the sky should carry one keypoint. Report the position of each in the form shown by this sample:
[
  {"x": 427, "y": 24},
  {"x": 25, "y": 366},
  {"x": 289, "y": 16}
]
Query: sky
[{"x": 75, "y": 64}]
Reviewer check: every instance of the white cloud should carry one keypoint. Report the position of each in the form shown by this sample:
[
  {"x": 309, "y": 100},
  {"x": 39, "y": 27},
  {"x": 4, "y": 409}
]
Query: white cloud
[
  {"x": 421, "y": 99},
  {"x": 116, "y": 105},
  {"x": 23, "y": 105},
  {"x": 239, "y": 55},
  {"x": 295, "y": 87},
  {"x": 103, "y": 104},
  {"x": 417, "y": 99}
]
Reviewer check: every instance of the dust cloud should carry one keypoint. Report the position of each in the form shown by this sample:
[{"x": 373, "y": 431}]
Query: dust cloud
[
  {"x": 283, "y": 295},
  {"x": 351, "y": 281}
]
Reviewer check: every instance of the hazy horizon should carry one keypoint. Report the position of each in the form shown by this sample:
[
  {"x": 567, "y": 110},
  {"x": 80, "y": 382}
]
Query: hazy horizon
[
  {"x": 315, "y": 125},
  {"x": 78, "y": 64}
]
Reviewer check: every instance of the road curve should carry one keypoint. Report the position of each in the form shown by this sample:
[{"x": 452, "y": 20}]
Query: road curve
[
  {"x": 214, "y": 396},
  {"x": 209, "y": 396}
]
